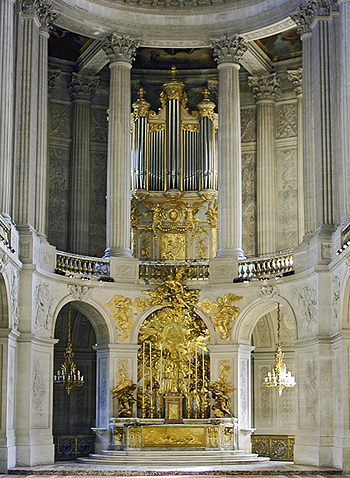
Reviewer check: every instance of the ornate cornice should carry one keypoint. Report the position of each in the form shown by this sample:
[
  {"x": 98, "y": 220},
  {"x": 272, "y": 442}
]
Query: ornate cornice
[
  {"x": 120, "y": 48},
  {"x": 229, "y": 50},
  {"x": 82, "y": 86},
  {"x": 296, "y": 77},
  {"x": 265, "y": 87}
]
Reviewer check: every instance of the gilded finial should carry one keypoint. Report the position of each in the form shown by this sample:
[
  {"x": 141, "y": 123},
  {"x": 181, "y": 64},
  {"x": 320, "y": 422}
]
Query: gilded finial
[
  {"x": 206, "y": 93},
  {"x": 141, "y": 93},
  {"x": 173, "y": 72}
]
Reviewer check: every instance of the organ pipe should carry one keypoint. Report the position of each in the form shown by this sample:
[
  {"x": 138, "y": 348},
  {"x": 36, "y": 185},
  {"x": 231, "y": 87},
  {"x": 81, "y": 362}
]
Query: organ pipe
[{"x": 174, "y": 149}]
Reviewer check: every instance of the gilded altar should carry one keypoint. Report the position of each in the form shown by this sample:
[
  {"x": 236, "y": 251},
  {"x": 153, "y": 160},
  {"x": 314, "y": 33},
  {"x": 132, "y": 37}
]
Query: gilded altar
[{"x": 139, "y": 433}]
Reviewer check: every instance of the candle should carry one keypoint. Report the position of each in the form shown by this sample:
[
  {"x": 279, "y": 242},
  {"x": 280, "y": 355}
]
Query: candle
[
  {"x": 203, "y": 367},
  {"x": 196, "y": 376},
  {"x": 150, "y": 365},
  {"x": 143, "y": 367},
  {"x": 161, "y": 368}
]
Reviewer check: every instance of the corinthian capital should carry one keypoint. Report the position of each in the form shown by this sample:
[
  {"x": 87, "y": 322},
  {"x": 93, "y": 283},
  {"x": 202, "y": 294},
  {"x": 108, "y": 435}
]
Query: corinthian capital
[
  {"x": 45, "y": 14},
  {"x": 120, "y": 48},
  {"x": 304, "y": 16},
  {"x": 229, "y": 50},
  {"x": 296, "y": 77},
  {"x": 265, "y": 87},
  {"x": 42, "y": 9},
  {"x": 82, "y": 86}
]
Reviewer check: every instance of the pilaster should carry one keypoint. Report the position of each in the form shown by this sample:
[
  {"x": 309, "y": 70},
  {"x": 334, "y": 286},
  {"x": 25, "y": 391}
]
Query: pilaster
[
  {"x": 228, "y": 53},
  {"x": 82, "y": 91},
  {"x": 296, "y": 77},
  {"x": 266, "y": 91},
  {"x": 6, "y": 102},
  {"x": 46, "y": 17},
  {"x": 121, "y": 52},
  {"x": 344, "y": 52}
]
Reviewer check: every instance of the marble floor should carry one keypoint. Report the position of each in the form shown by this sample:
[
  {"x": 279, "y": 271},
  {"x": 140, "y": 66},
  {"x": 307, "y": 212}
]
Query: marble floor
[{"x": 277, "y": 469}]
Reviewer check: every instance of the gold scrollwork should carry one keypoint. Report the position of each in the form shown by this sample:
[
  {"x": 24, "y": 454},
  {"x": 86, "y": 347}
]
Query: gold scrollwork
[
  {"x": 193, "y": 127},
  {"x": 223, "y": 312},
  {"x": 122, "y": 313},
  {"x": 156, "y": 127}
]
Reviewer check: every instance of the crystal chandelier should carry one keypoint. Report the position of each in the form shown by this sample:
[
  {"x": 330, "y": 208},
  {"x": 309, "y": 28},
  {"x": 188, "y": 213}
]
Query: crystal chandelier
[
  {"x": 68, "y": 375},
  {"x": 279, "y": 376}
]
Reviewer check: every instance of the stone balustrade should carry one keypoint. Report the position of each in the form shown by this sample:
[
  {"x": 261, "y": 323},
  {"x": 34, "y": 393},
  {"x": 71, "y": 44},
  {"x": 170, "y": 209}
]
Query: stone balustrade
[{"x": 81, "y": 265}]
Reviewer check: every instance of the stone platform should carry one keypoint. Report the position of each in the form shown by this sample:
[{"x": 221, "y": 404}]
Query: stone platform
[{"x": 173, "y": 457}]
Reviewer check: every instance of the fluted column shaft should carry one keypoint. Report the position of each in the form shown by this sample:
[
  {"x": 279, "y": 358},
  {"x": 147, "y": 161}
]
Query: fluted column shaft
[
  {"x": 121, "y": 51},
  {"x": 308, "y": 134},
  {"x": 228, "y": 52},
  {"x": 266, "y": 90},
  {"x": 322, "y": 123},
  {"x": 82, "y": 91},
  {"x": 6, "y": 102},
  {"x": 26, "y": 117},
  {"x": 42, "y": 158},
  {"x": 344, "y": 52}
]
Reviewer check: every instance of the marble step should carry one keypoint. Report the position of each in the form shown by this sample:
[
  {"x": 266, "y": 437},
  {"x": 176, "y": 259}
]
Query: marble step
[{"x": 171, "y": 457}]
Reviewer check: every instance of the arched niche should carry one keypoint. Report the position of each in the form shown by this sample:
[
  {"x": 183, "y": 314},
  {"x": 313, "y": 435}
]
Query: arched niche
[
  {"x": 75, "y": 413},
  {"x": 274, "y": 416}
]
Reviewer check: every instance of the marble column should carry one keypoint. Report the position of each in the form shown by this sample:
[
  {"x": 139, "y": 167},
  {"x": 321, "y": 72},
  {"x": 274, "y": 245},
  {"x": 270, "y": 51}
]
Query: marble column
[
  {"x": 324, "y": 135},
  {"x": 121, "y": 52},
  {"x": 296, "y": 77},
  {"x": 46, "y": 17},
  {"x": 303, "y": 19},
  {"x": 26, "y": 114},
  {"x": 82, "y": 89},
  {"x": 6, "y": 102},
  {"x": 344, "y": 53},
  {"x": 266, "y": 90},
  {"x": 228, "y": 53}
]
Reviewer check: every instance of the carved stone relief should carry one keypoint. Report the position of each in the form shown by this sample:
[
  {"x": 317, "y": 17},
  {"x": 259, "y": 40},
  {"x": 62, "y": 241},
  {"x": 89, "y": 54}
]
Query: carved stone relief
[
  {"x": 99, "y": 126},
  {"x": 98, "y": 205},
  {"x": 103, "y": 392},
  {"x": 244, "y": 393},
  {"x": 43, "y": 308},
  {"x": 249, "y": 202},
  {"x": 336, "y": 302},
  {"x": 14, "y": 279},
  {"x": 309, "y": 392},
  {"x": 265, "y": 398},
  {"x": 307, "y": 298},
  {"x": 58, "y": 197},
  {"x": 288, "y": 199},
  {"x": 79, "y": 292},
  {"x": 287, "y": 121},
  {"x": 4, "y": 260},
  {"x": 248, "y": 125},
  {"x": 60, "y": 119},
  {"x": 38, "y": 389}
]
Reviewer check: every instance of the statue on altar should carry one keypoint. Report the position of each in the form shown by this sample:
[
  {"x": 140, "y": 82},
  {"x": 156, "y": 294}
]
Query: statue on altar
[{"x": 124, "y": 392}]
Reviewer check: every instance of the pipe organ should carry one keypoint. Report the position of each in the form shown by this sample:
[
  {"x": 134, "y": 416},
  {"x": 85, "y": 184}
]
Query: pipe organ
[{"x": 174, "y": 198}]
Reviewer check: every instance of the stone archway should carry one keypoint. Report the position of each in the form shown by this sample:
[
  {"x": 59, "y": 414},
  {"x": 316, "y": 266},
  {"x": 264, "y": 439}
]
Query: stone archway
[{"x": 74, "y": 414}]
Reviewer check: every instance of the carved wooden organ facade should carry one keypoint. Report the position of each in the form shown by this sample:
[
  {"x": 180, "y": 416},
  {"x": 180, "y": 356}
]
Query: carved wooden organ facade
[{"x": 174, "y": 198}]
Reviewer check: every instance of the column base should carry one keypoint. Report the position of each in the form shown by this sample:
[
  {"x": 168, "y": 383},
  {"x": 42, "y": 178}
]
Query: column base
[{"x": 117, "y": 252}]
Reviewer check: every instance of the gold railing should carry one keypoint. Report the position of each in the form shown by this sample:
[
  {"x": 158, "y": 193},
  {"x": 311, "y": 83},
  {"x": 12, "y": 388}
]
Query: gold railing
[
  {"x": 195, "y": 270},
  {"x": 276, "y": 447},
  {"x": 82, "y": 266},
  {"x": 266, "y": 266}
]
